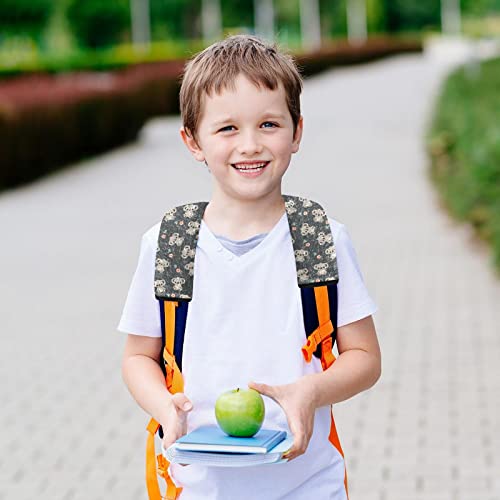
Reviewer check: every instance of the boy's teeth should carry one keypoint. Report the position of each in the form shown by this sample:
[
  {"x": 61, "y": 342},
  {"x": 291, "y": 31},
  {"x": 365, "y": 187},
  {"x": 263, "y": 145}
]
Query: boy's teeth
[{"x": 254, "y": 166}]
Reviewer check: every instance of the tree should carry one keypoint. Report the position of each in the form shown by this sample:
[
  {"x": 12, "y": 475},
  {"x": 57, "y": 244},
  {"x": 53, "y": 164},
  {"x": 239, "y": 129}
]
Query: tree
[
  {"x": 24, "y": 16},
  {"x": 480, "y": 7},
  {"x": 175, "y": 19},
  {"x": 98, "y": 23},
  {"x": 409, "y": 15},
  {"x": 237, "y": 13}
]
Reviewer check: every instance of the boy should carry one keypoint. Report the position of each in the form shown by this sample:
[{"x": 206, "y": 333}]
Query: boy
[{"x": 240, "y": 105}]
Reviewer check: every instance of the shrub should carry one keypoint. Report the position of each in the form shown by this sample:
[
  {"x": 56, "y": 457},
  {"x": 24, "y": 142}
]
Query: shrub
[
  {"x": 49, "y": 121},
  {"x": 464, "y": 144}
]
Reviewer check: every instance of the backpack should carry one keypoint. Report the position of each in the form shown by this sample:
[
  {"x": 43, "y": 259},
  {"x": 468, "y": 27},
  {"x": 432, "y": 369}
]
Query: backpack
[{"x": 317, "y": 278}]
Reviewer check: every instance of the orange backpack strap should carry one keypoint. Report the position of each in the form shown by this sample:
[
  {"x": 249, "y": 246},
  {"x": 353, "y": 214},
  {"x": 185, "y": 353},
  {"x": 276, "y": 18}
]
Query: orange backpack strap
[
  {"x": 323, "y": 336},
  {"x": 175, "y": 383},
  {"x": 173, "y": 287}
]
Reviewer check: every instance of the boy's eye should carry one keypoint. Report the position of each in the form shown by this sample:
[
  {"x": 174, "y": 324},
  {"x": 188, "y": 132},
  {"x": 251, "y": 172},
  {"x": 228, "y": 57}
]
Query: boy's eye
[
  {"x": 269, "y": 125},
  {"x": 227, "y": 128}
]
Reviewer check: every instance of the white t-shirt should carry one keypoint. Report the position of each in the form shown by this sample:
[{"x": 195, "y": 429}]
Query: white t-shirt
[{"x": 245, "y": 324}]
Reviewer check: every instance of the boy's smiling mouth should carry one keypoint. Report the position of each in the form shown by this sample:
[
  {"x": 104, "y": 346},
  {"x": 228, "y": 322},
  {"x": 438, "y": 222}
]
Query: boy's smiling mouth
[{"x": 250, "y": 166}]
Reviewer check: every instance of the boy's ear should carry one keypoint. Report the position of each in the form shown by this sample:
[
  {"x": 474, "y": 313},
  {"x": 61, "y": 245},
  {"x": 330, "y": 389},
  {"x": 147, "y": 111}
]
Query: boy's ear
[
  {"x": 298, "y": 135},
  {"x": 191, "y": 144}
]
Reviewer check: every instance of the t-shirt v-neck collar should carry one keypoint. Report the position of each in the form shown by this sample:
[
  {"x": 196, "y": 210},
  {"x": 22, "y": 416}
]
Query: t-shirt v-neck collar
[{"x": 209, "y": 241}]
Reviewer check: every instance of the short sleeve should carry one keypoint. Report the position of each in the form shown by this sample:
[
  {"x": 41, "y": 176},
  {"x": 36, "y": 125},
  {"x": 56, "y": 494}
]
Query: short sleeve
[
  {"x": 354, "y": 301},
  {"x": 141, "y": 314}
]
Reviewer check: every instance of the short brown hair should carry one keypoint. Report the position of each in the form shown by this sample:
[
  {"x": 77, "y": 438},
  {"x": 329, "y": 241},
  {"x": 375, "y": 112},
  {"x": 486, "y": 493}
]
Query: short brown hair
[{"x": 217, "y": 67}]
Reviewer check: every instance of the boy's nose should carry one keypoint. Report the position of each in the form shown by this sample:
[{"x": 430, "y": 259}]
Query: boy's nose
[{"x": 249, "y": 144}]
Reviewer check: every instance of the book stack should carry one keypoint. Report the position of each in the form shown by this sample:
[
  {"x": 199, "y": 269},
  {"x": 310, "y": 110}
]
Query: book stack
[{"x": 209, "y": 445}]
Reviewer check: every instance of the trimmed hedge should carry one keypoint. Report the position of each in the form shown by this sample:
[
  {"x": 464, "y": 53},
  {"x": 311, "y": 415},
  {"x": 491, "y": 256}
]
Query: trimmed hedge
[
  {"x": 464, "y": 147},
  {"x": 48, "y": 121},
  {"x": 344, "y": 54}
]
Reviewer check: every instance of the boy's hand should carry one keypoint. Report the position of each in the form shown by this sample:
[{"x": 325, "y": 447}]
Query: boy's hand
[
  {"x": 174, "y": 423},
  {"x": 297, "y": 402}
]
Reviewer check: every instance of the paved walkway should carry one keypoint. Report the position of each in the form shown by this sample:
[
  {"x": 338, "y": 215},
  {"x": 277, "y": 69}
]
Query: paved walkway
[{"x": 428, "y": 430}]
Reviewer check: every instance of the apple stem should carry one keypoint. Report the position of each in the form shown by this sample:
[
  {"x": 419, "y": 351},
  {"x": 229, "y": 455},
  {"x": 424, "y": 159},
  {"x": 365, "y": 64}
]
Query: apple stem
[{"x": 237, "y": 390}]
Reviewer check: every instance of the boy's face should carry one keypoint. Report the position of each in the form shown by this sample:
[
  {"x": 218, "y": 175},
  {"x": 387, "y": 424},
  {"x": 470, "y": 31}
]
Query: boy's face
[{"x": 246, "y": 137}]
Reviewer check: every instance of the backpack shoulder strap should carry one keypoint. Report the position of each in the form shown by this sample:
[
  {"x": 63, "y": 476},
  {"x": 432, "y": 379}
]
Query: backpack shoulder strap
[
  {"x": 174, "y": 266},
  {"x": 317, "y": 277},
  {"x": 173, "y": 286},
  {"x": 317, "y": 274},
  {"x": 312, "y": 240}
]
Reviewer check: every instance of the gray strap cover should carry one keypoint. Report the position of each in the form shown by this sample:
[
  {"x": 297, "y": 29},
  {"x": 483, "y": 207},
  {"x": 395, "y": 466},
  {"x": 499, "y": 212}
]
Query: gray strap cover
[
  {"x": 312, "y": 240},
  {"x": 174, "y": 266}
]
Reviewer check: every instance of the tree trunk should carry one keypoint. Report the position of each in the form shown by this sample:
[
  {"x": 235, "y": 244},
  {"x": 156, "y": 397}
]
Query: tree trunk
[
  {"x": 451, "y": 22},
  {"x": 264, "y": 19},
  {"x": 211, "y": 20},
  {"x": 310, "y": 24},
  {"x": 141, "y": 23},
  {"x": 356, "y": 21}
]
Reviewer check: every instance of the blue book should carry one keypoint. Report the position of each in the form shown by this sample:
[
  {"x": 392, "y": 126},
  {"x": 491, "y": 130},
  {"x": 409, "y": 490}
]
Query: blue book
[{"x": 210, "y": 438}]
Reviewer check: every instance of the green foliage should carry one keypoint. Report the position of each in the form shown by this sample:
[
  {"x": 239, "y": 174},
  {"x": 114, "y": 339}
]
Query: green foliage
[
  {"x": 375, "y": 16},
  {"x": 237, "y": 13},
  {"x": 21, "y": 13},
  {"x": 407, "y": 15},
  {"x": 99, "y": 23},
  {"x": 24, "y": 17},
  {"x": 287, "y": 22},
  {"x": 116, "y": 57},
  {"x": 333, "y": 17},
  {"x": 464, "y": 145},
  {"x": 480, "y": 7},
  {"x": 175, "y": 18}
]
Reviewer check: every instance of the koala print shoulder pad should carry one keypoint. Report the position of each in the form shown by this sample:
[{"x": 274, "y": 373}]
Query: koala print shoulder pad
[
  {"x": 177, "y": 240},
  {"x": 312, "y": 240}
]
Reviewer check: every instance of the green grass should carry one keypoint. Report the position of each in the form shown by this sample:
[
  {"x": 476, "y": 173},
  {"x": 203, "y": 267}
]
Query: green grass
[{"x": 464, "y": 146}]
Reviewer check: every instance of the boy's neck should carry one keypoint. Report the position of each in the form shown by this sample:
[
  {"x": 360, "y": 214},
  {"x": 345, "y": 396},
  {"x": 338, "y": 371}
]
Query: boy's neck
[{"x": 240, "y": 220}]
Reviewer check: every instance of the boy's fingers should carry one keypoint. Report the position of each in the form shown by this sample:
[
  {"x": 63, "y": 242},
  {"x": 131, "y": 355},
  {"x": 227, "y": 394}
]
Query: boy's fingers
[
  {"x": 266, "y": 390},
  {"x": 299, "y": 445},
  {"x": 169, "y": 438},
  {"x": 296, "y": 450},
  {"x": 291, "y": 453},
  {"x": 182, "y": 402}
]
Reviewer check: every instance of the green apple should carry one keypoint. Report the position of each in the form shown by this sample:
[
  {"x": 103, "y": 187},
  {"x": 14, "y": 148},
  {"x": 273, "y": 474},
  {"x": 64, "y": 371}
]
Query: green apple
[{"x": 240, "y": 412}]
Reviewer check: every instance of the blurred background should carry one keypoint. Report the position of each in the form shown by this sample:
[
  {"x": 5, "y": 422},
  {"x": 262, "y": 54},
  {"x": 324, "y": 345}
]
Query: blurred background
[
  {"x": 401, "y": 143},
  {"x": 105, "y": 68}
]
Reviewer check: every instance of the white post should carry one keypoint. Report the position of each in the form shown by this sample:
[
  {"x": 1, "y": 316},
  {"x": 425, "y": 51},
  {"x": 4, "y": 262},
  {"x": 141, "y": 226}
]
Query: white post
[
  {"x": 211, "y": 20},
  {"x": 451, "y": 18},
  {"x": 356, "y": 21},
  {"x": 310, "y": 25},
  {"x": 264, "y": 19},
  {"x": 141, "y": 30}
]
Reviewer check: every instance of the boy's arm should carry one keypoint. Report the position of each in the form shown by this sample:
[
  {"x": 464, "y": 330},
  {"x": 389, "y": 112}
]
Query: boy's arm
[
  {"x": 356, "y": 369},
  {"x": 143, "y": 376}
]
